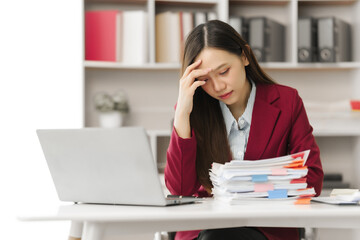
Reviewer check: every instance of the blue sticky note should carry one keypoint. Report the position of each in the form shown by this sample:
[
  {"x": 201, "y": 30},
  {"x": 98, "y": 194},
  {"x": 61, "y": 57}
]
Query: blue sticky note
[
  {"x": 278, "y": 193},
  {"x": 259, "y": 178}
]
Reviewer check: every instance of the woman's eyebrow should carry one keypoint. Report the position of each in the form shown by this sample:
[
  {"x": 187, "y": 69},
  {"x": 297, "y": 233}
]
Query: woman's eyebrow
[{"x": 220, "y": 66}]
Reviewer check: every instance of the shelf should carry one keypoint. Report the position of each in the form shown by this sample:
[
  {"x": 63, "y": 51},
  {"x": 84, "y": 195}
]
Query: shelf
[
  {"x": 122, "y": 66},
  {"x": 311, "y": 66},
  {"x": 326, "y": 2},
  {"x": 336, "y": 133},
  {"x": 268, "y": 66},
  {"x": 186, "y": 2},
  {"x": 118, "y": 1},
  {"x": 336, "y": 124},
  {"x": 159, "y": 133},
  {"x": 259, "y": 2}
]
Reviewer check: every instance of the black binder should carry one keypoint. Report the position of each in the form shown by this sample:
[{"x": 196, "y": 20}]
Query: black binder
[
  {"x": 307, "y": 40},
  {"x": 240, "y": 25},
  {"x": 334, "y": 39},
  {"x": 267, "y": 39}
]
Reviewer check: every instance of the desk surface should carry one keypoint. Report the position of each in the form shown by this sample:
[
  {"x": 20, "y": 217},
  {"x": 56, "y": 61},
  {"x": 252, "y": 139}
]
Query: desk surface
[{"x": 207, "y": 214}]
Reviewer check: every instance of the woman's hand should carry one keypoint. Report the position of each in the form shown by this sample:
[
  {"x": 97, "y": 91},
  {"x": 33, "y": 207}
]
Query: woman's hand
[{"x": 187, "y": 87}]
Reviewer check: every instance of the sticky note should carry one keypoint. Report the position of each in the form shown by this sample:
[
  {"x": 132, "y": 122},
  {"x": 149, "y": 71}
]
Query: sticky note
[
  {"x": 263, "y": 187},
  {"x": 298, "y": 161},
  {"x": 298, "y": 155},
  {"x": 278, "y": 171},
  {"x": 298, "y": 180},
  {"x": 259, "y": 178},
  {"x": 301, "y": 201},
  {"x": 294, "y": 165},
  {"x": 277, "y": 193}
]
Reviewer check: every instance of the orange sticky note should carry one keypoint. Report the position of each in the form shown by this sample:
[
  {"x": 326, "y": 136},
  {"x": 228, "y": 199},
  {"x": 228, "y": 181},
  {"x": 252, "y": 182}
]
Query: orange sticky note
[
  {"x": 298, "y": 180},
  {"x": 294, "y": 165},
  {"x": 278, "y": 171},
  {"x": 301, "y": 201},
  {"x": 298, "y": 161},
  {"x": 263, "y": 187},
  {"x": 298, "y": 155}
]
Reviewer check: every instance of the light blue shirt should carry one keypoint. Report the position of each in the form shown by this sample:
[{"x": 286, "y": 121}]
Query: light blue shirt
[{"x": 238, "y": 131}]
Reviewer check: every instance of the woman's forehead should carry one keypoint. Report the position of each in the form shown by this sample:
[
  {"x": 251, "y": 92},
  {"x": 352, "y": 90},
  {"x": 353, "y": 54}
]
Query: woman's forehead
[{"x": 213, "y": 57}]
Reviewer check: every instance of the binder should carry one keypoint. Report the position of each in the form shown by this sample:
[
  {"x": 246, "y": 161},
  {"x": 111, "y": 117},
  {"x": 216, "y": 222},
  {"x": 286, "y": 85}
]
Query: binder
[
  {"x": 307, "y": 39},
  {"x": 135, "y": 44},
  {"x": 103, "y": 35},
  {"x": 168, "y": 37},
  {"x": 334, "y": 40},
  {"x": 239, "y": 24},
  {"x": 267, "y": 39}
]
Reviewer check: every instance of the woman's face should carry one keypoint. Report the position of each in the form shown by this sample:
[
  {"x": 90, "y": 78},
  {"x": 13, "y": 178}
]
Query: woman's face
[{"x": 227, "y": 79}]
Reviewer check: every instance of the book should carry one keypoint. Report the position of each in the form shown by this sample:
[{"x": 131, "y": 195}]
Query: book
[
  {"x": 103, "y": 32},
  {"x": 211, "y": 16},
  {"x": 168, "y": 37},
  {"x": 186, "y": 25},
  {"x": 135, "y": 44},
  {"x": 199, "y": 18}
]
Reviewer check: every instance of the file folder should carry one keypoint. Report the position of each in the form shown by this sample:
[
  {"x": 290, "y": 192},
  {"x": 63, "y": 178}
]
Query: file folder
[
  {"x": 267, "y": 39},
  {"x": 307, "y": 40},
  {"x": 334, "y": 40},
  {"x": 239, "y": 24}
]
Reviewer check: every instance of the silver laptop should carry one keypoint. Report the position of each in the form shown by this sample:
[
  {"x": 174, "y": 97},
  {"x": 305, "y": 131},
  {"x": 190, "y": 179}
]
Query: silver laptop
[{"x": 109, "y": 166}]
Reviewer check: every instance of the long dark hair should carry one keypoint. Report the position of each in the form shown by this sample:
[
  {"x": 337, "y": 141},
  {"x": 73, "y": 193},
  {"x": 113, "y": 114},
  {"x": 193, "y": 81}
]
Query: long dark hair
[{"x": 206, "y": 117}]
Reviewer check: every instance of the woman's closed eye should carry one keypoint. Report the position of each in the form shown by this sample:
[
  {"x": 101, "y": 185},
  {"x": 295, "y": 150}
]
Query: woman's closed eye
[
  {"x": 224, "y": 72},
  {"x": 205, "y": 79}
]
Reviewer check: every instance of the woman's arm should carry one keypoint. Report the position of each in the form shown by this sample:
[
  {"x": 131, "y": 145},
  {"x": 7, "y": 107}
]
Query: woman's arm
[
  {"x": 301, "y": 138},
  {"x": 180, "y": 170}
]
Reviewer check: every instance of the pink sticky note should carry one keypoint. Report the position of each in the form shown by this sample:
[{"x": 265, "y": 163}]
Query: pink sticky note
[
  {"x": 278, "y": 171},
  {"x": 263, "y": 187}
]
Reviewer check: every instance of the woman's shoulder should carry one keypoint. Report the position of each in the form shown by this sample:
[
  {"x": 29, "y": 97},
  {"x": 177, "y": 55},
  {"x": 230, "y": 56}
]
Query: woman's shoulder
[{"x": 277, "y": 89}]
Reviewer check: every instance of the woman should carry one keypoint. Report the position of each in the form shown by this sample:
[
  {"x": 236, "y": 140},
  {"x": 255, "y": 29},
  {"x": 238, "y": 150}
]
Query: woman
[{"x": 228, "y": 108}]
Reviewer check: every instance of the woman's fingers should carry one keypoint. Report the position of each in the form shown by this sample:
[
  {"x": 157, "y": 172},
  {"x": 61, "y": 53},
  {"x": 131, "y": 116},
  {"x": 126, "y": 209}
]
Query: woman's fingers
[
  {"x": 188, "y": 85},
  {"x": 196, "y": 84},
  {"x": 191, "y": 67},
  {"x": 191, "y": 77}
]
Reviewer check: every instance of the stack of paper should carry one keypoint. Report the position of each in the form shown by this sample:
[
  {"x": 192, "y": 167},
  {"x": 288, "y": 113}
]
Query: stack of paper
[{"x": 275, "y": 178}]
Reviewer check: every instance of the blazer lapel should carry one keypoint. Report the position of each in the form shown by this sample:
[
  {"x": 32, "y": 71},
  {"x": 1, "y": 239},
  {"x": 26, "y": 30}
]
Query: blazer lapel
[{"x": 264, "y": 118}]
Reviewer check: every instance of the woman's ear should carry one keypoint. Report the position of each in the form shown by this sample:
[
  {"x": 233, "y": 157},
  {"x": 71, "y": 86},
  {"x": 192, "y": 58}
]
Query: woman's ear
[
  {"x": 243, "y": 56},
  {"x": 244, "y": 59}
]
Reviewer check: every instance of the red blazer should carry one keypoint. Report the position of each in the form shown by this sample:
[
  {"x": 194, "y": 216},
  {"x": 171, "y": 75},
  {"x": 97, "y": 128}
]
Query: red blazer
[{"x": 279, "y": 127}]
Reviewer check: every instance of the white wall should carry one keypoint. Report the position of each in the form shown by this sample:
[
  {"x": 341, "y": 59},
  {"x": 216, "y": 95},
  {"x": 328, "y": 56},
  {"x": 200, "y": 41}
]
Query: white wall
[{"x": 41, "y": 82}]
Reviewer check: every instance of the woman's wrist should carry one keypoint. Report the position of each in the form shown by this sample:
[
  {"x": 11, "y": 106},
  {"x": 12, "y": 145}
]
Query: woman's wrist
[{"x": 182, "y": 125}]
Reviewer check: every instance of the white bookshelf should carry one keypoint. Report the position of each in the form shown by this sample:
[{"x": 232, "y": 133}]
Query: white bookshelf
[
  {"x": 267, "y": 65},
  {"x": 153, "y": 87},
  {"x": 124, "y": 66}
]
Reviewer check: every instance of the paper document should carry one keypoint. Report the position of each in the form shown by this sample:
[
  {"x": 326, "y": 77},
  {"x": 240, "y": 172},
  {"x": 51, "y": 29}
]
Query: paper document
[
  {"x": 341, "y": 197},
  {"x": 273, "y": 178}
]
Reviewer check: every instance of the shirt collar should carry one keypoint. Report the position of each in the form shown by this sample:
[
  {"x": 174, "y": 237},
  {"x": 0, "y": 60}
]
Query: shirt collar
[{"x": 229, "y": 119}]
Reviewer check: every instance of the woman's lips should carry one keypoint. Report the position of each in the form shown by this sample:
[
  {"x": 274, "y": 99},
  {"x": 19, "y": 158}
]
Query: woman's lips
[{"x": 226, "y": 95}]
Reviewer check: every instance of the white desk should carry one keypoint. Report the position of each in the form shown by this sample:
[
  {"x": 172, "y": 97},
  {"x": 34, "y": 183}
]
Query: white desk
[{"x": 117, "y": 220}]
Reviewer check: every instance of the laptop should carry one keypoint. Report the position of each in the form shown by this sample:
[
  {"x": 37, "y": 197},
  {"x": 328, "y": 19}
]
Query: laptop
[{"x": 104, "y": 166}]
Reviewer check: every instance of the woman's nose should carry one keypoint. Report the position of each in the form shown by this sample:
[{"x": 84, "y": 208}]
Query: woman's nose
[{"x": 218, "y": 85}]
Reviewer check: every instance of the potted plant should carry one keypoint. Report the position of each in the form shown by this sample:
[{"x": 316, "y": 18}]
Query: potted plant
[{"x": 111, "y": 108}]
